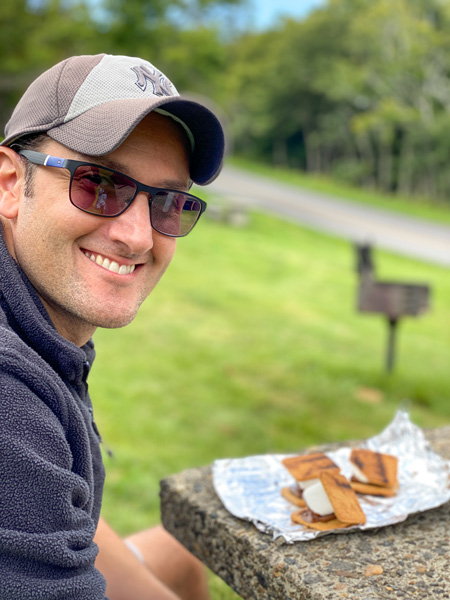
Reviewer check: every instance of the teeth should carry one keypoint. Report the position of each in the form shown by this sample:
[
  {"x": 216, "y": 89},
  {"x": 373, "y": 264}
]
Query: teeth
[
  {"x": 110, "y": 265},
  {"x": 114, "y": 267}
]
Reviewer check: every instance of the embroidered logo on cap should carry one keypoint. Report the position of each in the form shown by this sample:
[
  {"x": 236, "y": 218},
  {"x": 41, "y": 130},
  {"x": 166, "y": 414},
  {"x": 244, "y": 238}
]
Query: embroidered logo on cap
[{"x": 161, "y": 85}]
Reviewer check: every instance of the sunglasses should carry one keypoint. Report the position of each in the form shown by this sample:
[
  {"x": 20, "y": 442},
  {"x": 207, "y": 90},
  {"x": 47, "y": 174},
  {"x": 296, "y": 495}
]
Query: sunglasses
[{"x": 104, "y": 192}]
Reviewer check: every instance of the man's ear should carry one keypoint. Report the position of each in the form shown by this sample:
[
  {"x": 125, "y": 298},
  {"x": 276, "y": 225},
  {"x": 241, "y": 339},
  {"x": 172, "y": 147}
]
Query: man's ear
[{"x": 12, "y": 178}]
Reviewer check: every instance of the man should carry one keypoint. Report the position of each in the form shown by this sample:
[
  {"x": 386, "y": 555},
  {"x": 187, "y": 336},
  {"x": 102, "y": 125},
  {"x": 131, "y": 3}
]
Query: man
[{"x": 95, "y": 168}]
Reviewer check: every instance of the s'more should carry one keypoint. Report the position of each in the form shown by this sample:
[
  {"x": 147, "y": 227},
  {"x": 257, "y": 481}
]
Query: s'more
[
  {"x": 331, "y": 504},
  {"x": 373, "y": 473}
]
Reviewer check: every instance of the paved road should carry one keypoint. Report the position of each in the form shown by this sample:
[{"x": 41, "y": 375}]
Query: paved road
[{"x": 403, "y": 235}]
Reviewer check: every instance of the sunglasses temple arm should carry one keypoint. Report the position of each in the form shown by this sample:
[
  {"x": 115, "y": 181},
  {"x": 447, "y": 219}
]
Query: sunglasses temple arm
[{"x": 38, "y": 158}]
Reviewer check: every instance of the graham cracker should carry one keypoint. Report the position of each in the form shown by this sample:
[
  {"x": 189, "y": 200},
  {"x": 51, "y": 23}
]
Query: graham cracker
[
  {"x": 380, "y": 469},
  {"x": 343, "y": 499},
  {"x": 372, "y": 490},
  {"x": 299, "y": 517},
  {"x": 309, "y": 466},
  {"x": 292, "y": 497}
]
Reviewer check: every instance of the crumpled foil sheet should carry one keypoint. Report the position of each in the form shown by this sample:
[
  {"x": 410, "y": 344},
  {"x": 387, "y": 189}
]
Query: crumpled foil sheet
[{"x": 250, "y": 487}]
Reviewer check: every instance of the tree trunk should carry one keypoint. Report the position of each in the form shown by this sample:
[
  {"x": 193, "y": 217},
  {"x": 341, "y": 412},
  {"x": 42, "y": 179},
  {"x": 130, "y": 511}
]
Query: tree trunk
[
  {"x": 310, "y": 153},
  {"x": 405, "y": 167},
  {"x": 384, "y": 176},
  {"x": 366, "y": 156}
]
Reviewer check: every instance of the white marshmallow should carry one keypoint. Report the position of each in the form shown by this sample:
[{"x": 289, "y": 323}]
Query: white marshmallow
[
  {"x": 307, "y": 483},
  {"x": 358, "y": 474},
  {"x": 317, "y": 500}
]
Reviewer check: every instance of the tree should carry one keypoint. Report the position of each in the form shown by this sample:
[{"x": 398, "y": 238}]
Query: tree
[
  {"x": 34, "y": 37},
  {"x": 37, "y": 34},
  {"x": 361, "y": 89}
]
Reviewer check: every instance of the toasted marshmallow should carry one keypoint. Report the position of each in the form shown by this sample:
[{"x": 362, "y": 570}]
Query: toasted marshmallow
[{"x": 317, "y": 499}]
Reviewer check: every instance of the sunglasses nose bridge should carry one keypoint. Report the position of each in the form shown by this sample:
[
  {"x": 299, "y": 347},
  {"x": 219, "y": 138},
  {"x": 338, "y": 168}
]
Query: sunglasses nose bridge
[
  {"x": 138, "y": 191},
  {"x": 146, "y": 191},
  {"x": 141, "y": 193}
]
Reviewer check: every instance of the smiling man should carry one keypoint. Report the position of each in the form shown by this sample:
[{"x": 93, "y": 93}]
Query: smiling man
[{"x": 95, "y": 171}]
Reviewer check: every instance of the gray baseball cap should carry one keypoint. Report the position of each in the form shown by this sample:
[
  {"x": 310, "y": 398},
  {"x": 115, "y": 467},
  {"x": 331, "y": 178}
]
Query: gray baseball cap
[{"x": 92, "y": 103}]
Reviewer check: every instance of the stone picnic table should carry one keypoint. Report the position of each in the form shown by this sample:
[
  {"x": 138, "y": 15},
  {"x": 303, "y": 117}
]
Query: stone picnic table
[{"x": 407, "y": 560}]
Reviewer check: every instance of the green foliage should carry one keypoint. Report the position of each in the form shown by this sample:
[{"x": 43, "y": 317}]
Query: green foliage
[
  {"x": 360, "y": 89},
  {"x": 36, "y": 37}
]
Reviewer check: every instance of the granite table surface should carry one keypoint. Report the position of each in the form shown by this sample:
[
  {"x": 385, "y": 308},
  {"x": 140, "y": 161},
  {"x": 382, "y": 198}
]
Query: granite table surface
[{"x": 407, "y": 560}]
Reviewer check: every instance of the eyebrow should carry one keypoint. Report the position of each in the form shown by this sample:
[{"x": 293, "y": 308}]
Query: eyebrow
[{"x": 105, "y": 161}]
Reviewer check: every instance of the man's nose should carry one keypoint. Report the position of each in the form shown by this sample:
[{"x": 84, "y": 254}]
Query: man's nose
[{"x": 133, "y": 228}]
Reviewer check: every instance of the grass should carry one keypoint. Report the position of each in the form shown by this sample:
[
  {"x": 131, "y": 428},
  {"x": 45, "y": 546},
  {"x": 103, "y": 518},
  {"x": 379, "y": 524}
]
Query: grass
[{"x": 252, "y": 344}]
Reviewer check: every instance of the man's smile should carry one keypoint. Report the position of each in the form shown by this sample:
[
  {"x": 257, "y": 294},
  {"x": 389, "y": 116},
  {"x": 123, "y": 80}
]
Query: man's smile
[{"x": 110, "y": 265}]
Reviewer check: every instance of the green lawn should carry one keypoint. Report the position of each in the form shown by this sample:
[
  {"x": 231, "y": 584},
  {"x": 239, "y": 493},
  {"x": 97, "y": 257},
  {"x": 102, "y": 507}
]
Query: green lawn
[{"x": 252, "y": 344}]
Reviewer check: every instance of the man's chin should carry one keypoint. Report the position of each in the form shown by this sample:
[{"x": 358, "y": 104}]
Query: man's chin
[{"x": 114, "y": 322}]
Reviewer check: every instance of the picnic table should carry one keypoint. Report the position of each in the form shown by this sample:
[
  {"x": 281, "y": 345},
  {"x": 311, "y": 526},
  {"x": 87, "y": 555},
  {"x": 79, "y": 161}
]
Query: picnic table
[{"x": 407, "y": 560}]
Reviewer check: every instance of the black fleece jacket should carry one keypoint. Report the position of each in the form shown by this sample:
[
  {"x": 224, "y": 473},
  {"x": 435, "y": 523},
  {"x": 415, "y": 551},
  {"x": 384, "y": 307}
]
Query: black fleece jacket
[{"x": 51, "y": 470}]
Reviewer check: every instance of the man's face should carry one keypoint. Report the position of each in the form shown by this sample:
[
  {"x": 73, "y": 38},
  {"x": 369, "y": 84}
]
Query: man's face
[{"x": 55, "y": 243}]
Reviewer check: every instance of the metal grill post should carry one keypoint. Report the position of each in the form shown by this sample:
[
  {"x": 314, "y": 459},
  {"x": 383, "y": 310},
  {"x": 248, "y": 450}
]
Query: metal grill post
[
  {"x": 391, "y": 345},
  {"x": 391, "y": 298}
]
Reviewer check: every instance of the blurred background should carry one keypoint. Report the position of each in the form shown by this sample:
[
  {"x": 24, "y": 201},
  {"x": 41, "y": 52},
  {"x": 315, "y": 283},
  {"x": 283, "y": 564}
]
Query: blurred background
[{"x": 253, "y": 342}]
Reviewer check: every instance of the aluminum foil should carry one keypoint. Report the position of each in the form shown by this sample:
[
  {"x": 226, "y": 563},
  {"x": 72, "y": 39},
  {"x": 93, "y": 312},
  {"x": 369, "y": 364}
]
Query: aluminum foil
[{"x": 250, "y": 487}]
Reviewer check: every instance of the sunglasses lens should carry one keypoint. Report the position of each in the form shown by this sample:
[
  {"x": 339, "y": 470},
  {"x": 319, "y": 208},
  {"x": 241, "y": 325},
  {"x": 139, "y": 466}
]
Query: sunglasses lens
[
  {"x": 174, "y": 213},
  {"x": 100, "y": 191},
  {"x": 103, "y": 192}
]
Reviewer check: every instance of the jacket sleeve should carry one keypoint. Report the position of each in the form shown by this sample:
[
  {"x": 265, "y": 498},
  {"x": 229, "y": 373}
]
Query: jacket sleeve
[{"x": 46, "y": 496}]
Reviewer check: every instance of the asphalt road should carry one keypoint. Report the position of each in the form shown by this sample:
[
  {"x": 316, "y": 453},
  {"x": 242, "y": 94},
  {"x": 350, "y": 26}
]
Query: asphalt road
[{"x": 357, "y": 223}]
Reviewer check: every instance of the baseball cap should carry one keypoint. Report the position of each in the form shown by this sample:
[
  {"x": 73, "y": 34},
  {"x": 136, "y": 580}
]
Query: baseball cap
[{"x": 92, "y": 103}]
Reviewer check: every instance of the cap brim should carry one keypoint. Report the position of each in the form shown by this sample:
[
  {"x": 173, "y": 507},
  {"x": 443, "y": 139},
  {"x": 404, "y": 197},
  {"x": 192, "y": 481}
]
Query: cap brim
[{"x": 103, "y": 128}]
